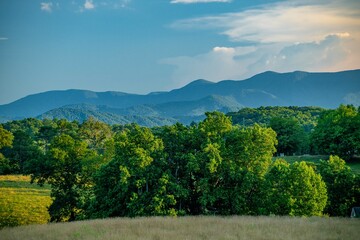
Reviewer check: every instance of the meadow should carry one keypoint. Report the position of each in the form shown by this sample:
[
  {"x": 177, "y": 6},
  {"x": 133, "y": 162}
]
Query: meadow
[
  {"x": 22, "y": 203},
  {"x": 209, "y": 227},
  {"x": 315, "y": 159}
]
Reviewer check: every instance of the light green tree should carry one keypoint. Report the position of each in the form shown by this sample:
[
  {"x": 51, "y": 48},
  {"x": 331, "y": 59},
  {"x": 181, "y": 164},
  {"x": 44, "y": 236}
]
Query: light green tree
[
  {"x": 6, "y": 140},
  {"x": 295, "y": 190},
  {"x": 307, "y": 190},
  {"x": 276, "y": 189},
  {"x": 96, "y": 134}
]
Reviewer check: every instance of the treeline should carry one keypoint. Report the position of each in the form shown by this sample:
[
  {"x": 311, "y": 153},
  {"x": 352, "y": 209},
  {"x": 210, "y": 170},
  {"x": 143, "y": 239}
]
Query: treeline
[
  {"x": 213, "y": 167},
  {"x": 308, "y": 130},
  {"x": 306, "y": 116}
]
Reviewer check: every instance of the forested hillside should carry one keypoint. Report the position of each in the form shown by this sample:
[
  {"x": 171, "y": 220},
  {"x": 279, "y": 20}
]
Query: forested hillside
[{"x": 213, "y": 167}]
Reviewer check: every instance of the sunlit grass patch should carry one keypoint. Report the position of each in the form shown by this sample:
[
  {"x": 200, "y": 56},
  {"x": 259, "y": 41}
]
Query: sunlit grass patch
[
  {"x": 315, "y": 159},
  {"x": 22, "y": 203}
]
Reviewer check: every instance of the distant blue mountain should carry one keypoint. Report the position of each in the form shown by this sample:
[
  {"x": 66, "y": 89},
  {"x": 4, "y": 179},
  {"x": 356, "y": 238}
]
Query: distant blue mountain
[{"x": 188, "y": 103}]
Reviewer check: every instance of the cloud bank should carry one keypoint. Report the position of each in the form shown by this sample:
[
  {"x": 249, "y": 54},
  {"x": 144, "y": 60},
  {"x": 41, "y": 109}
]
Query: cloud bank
[{"x": 283, "y": 37}]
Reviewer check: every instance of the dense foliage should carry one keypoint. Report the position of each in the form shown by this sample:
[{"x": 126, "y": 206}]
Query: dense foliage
[
  {"x": 213, "y": 167},
  {"x": 306, "y": 116},
  {"x": 293, "y": 125},
  {"x": 338, "y": 132}
]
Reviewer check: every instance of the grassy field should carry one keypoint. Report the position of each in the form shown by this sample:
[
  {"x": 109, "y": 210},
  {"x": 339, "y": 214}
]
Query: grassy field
[
  {"x": 21, "y": 202},
  {"x": 192, "y": 228},
  {"x": 354, "y": 165}
]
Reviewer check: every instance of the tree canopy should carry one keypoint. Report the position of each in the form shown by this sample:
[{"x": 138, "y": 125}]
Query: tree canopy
[
  {"x": 338, "y": 132},
  {"x": 211, "y": 167}
]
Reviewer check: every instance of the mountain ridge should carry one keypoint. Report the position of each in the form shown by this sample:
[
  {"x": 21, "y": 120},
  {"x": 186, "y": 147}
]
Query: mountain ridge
[{"x": 298, "y": 88}]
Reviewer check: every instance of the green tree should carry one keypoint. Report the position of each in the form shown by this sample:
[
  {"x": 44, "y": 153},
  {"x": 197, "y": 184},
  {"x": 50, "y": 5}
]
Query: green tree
[
  {"x": 294, "y": 190},
  {"x": 96, "y": 134},
  {"x": 6, "y": 140},
  {"x": 338, "y": 132},
  {"x": 211, "y": 132},
  {"x": 307, "y": 190},
  {"x": 23, "y": 150},
  {"x": 276, "y": 189},
  {"x": 62, "y": 168},
  {"x": 180, "y": 145},
  {"x": 247, "y": 158},
  {"x": 290, "y": 135},
  {"x": 342, "y": 186},
  {"x": 136, "y": 182}
]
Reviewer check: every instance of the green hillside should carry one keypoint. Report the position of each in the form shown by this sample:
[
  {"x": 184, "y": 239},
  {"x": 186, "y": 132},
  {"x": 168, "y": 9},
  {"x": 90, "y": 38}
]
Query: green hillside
[{"x": 146, "y": 115}]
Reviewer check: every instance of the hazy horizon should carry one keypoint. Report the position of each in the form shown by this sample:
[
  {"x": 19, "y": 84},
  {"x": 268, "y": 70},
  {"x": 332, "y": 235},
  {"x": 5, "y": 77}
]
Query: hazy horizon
[{"x": 139, "y": 46}]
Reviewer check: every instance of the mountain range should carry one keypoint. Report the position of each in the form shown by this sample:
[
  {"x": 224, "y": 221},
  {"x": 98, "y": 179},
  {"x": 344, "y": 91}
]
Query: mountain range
[{"x": 189, "y": 103}]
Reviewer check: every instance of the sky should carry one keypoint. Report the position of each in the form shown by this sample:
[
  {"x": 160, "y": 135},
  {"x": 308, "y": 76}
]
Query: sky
[{"x": 142, "y": 46}]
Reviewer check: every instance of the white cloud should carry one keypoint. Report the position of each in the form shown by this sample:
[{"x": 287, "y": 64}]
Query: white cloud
[
  {"x": 199, "y": 1},
  {"x": 225, "y": 50},
  {"x": 285, "y": 36},
  {"x": 332, "y": 53},
  {"x": 46, "y": 6},
  {"x": 89, "y": 4},
  {"x": 104, "y": 4},
  {"x": 281, "y": 22},
  {"x": 217, "y": 64}
]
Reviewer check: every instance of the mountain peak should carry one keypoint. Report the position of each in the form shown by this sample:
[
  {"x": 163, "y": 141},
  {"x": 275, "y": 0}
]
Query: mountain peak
[{"x": 199, "y": 82}]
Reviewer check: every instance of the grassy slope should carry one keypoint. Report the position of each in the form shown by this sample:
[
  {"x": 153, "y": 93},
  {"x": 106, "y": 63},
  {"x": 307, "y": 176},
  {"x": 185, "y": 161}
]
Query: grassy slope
[
  {"x": 21, "y": 202},
  {"x": 242, "y": 227}
]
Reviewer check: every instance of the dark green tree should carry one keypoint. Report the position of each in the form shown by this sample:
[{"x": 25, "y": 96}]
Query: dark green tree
[
  {"x": 180, "y": 145},
  {"x": 291, "y": 137},
  {"x": 62, "y": 167},
  {"x": 342, "y": 186},
  {"x": 23, "y": 150},
  {"x": 136, "y": 182}
]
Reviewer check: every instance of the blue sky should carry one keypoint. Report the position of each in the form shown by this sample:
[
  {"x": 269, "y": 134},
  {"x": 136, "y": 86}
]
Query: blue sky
[{"x": 140, "y": 46}]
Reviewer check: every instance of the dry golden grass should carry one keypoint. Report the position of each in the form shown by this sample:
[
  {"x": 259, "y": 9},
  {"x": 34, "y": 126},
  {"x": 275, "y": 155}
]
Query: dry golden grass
[
  {"x": 243, "y": 227},
  {"x": 14, "y": 178}
]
